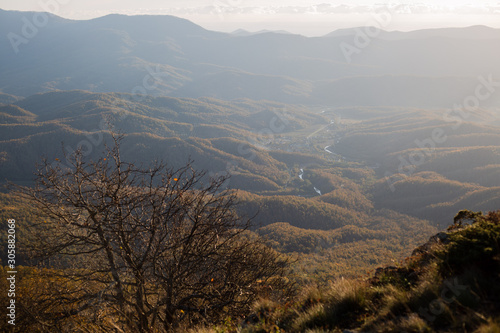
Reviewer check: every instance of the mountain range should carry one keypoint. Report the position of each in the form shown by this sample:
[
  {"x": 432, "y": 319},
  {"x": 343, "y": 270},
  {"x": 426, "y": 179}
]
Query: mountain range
[{"x": 169, "y": 56}]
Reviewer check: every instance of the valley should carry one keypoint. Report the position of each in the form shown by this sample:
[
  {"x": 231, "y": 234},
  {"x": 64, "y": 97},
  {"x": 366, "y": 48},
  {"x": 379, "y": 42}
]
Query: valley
[
  {"x": 322, "y": 170},
  {"x": 337, "y": 164}
]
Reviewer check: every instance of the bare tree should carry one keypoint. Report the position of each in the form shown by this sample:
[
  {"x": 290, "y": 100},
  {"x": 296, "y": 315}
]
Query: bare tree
[{"x": 146, "y": 249}]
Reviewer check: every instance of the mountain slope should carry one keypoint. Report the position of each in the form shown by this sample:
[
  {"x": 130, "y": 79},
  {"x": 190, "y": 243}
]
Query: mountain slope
[
  {"x": 166, "y": 55},
  {"x": 449, "y": 284}
]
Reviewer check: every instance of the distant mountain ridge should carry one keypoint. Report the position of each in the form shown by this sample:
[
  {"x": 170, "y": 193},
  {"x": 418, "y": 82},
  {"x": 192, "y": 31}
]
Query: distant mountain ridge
[
  {"x": 243, "y": 32},
  {"x": 170, "y": 56},
  {"x": 471, "y": 32}
]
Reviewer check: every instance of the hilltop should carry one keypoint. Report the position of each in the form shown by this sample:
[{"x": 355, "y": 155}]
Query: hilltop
[{"x": 449, "y": 284}]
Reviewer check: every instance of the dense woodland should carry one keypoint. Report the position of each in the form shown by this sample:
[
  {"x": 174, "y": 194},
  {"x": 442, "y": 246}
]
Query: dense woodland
[
  {"x": 357, "y": 223},
  {"x": 326, "y": 190},
  {"x": 346, "y": 173},
  {"x": 357, "y": 215}
]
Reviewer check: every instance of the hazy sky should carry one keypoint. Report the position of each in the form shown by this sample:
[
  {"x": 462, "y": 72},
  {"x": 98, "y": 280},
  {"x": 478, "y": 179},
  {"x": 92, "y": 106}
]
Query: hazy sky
[{"x": 308, "y": 17}]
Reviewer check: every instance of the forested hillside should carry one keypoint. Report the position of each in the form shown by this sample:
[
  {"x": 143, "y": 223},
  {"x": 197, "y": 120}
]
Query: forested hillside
[
  {"x": 449, "y": 284},
  {"x": 292, "y": 168},
  {"x": 320, "y": 170}
]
